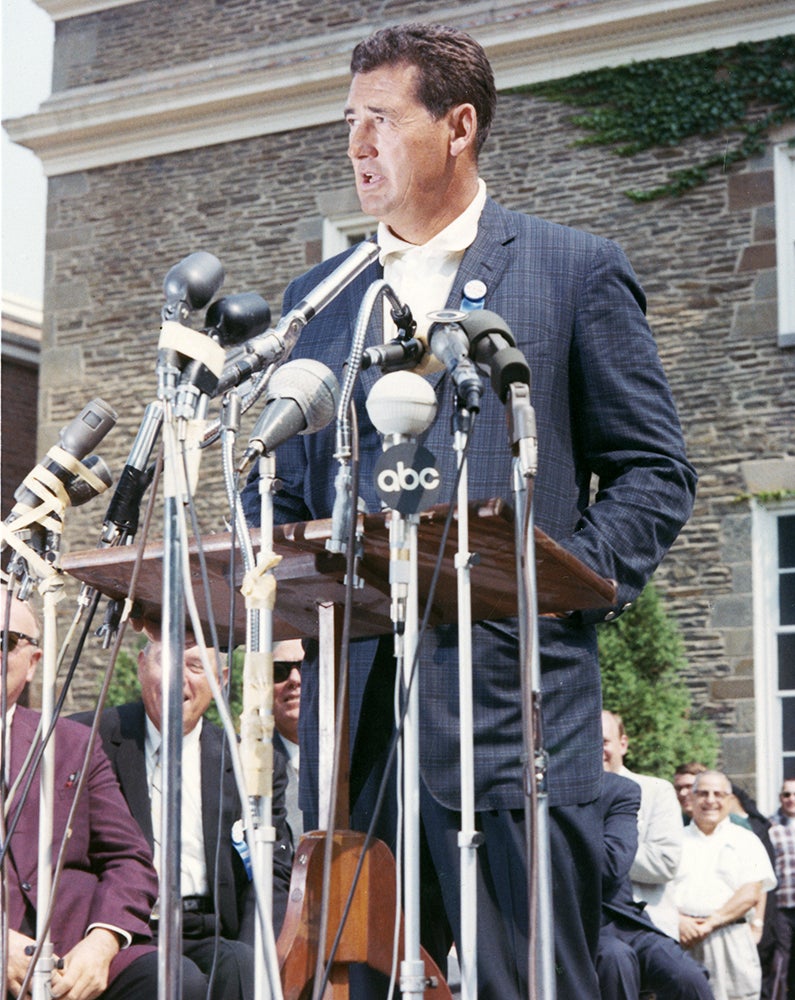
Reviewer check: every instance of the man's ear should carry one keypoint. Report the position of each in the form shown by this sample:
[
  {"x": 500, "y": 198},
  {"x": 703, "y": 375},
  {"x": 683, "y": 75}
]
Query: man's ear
[
  {"x": 34, "y": 662},
  {"x": 463, "y": 121}
]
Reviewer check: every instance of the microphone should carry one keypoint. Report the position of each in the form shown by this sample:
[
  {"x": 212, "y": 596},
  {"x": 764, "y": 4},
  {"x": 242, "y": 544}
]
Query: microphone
[
  {"x": 401, "y": 406},
  {"x": 266, "y": 348},
  {"x": 121, "y": 519},
  {"x": 448, "y": 342},
  {"x": 492, "y": 346},
  {"x": 301, "y": 398},
  {"x": 80, "y": 490},
  {"x": 229, "y": 321},
  {"x": 61, "y": 478},
  {"x": 190, "y": 284},
  {"x": 76, "y": 440},
  {"x": 396, "y": 355}
]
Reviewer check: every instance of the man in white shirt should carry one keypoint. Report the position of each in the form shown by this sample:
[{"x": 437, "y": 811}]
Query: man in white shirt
[
  {"x": 218, "y": 900},
  {"x": 659, "y": 831},
  {"x": 722, "y": 877}
]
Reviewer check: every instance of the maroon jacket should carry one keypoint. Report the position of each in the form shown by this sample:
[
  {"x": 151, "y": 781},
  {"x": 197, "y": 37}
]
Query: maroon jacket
[{"x": 108, "y": 876}]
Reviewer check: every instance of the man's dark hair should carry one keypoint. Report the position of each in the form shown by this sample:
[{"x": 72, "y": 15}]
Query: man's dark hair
[{"x": 453, "y": 68}]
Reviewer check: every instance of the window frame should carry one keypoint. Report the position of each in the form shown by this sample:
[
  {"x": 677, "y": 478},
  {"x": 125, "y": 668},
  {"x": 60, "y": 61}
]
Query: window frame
[
  {"x": 784, "y": 184},
  {"x": 767, "y": 628}
]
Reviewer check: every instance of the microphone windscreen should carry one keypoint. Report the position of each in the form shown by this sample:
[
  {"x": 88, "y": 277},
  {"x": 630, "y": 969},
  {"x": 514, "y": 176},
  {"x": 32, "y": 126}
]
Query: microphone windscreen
[
  {"x": 312, "y": 385},
  {"x": 402, "y": 403}
]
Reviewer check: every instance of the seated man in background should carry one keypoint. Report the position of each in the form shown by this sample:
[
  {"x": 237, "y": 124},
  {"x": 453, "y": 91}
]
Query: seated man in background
[
  {"x": 288, "y": 657},
  {"x": 634, "y": 954},
  {"x": 100, "y": 917},
  {"x": 659, "y": 831},
  {"x": 217, "y": 893},
  {"x": 722, "y": 878}
]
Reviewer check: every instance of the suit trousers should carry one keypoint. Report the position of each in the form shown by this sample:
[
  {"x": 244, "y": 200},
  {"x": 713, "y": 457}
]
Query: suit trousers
[
  {"x": 502, "y": 907},
  {"x": 633, "y": 958}
]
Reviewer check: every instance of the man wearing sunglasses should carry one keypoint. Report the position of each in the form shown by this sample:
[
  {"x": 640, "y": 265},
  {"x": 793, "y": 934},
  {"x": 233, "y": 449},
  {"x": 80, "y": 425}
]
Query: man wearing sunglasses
[
  {"x": 782, "y": 837},
  {"x": 288, "y": 657},
  {"x": 100, "y": 918}
]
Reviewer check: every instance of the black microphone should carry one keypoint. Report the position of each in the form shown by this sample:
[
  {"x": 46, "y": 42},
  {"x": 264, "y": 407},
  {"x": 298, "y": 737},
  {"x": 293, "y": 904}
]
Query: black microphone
[
  {"x": 77, "y": 439},
  {"x": 396, "y": 355},
  {"x": 121, "y": 520},
  {"x": 450, "y": 345},
  {"x": 229, "y": 321},
  {"x": 190, "y": 284},
  {"x": 493, "y": 348},
  {"x": 301, "y": 398}
]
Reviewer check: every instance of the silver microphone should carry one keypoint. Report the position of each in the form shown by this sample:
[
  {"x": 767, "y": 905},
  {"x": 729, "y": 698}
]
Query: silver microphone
[{"x": 301, "y": 398}]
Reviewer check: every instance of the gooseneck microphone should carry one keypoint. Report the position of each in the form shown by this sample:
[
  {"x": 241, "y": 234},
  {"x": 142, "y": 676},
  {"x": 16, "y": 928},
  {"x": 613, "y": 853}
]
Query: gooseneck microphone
[
  {"x": 301, "y": 398},
  {"x": 449, "y": 343}
]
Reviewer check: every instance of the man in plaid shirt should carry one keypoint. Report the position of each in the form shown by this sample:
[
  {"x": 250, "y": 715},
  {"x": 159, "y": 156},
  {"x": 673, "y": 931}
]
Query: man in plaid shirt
[{"x": 782, "y": 837}]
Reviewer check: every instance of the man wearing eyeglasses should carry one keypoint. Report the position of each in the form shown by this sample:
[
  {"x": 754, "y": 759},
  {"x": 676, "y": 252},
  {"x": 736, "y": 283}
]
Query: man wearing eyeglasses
[
  {"x": 722, "y": 880},
  {"x": 100, "y": 918},
  {"x": 782, "y": 837},
  {"x": 288, "y": 657},
  {"x": 218, "y": 900}
]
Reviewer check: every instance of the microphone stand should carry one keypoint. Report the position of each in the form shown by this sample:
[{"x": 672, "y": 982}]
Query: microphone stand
[
  {"x": 169, "y": 982},
  {"x": 42, "y": 976},
  {"x": 256, "y": 722},
  {"x": 541, "y": 950},
  {"x": 468, "y": 838}
]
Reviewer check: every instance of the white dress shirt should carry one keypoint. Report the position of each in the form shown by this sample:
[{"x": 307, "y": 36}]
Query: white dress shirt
[{"x": 193, "y": 880}]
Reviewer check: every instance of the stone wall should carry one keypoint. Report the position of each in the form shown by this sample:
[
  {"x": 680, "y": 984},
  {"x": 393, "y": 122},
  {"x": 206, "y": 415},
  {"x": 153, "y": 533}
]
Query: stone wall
[{"x": 706, "y": 261}]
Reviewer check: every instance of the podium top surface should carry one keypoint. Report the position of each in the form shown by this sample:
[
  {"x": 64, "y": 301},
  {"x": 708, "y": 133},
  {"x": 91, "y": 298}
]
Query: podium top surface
[{"x": 308, "y": 575}]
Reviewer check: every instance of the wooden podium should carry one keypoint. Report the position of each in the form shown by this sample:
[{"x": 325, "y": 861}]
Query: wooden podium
[{"x": 308, "y": 575}]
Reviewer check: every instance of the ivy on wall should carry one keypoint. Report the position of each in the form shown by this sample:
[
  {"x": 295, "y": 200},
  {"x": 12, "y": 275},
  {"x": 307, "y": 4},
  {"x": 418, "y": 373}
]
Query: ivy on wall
[{"x": 741, "y": 92}]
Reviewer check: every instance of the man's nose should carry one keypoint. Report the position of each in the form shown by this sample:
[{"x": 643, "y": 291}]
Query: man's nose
[{"x": 360, "y": 140}]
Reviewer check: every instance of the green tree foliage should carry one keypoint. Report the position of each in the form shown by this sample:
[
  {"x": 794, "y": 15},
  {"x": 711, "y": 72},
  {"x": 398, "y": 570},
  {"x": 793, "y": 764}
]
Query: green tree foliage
[
  {"x": 740, "y": 92},
  {"x": 642, "y": 659}
]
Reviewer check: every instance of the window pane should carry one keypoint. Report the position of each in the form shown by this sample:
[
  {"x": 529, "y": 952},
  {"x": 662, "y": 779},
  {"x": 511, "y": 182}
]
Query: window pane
[
  {"x": 786, "y": 662},
  {"x": 788, "y": 724},
  {"x": 789, "y": 768},
  {"x": 786, "y": 598},
  {"x": 786, "y": 542}
]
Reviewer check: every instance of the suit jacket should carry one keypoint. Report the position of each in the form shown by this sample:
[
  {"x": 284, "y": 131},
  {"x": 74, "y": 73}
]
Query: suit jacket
[
  {"x": 294, "y": 818},
  {"x": 108, "y": 876},
  {"x": 603, "y": 409},
  {"x": 620, "y": 803},
  {"x": 659, "y": 850},
  {"x": 123, "y": 731}
]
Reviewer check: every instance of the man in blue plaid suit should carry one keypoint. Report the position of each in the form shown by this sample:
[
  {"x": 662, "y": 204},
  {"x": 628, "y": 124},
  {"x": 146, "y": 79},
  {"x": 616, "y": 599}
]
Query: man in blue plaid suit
[{"x": 419, "y": 108}]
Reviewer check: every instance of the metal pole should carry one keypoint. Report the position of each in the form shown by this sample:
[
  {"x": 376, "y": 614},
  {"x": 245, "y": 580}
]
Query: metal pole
[{"x": 169, "y": 970}]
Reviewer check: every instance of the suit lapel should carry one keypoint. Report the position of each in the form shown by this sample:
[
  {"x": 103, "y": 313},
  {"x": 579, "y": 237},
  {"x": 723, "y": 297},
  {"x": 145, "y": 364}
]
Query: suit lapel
[
  {"x": 210, "y": 754},
  {"x": 127, "y": 740}
]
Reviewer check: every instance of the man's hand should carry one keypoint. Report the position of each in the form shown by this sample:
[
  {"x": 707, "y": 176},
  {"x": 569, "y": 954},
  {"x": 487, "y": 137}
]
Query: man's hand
[
  {"x": 692, "y": 930},
  {"x": 85, "y": 967},
  {"x": 18, "y": 962}
]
